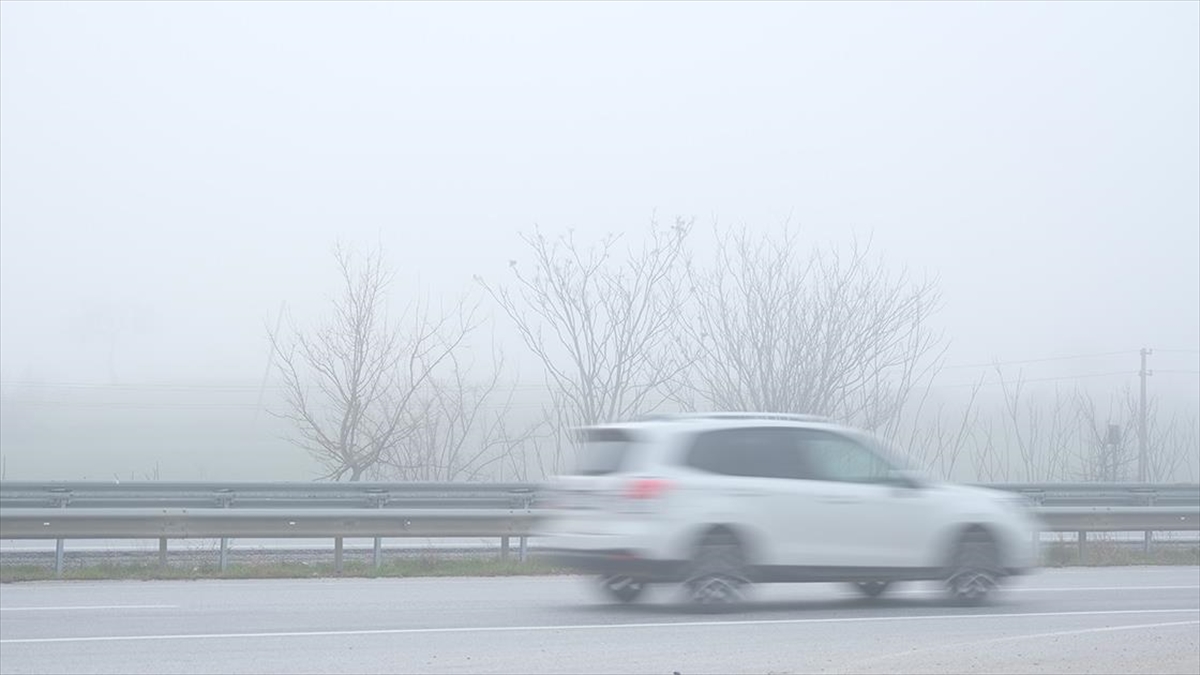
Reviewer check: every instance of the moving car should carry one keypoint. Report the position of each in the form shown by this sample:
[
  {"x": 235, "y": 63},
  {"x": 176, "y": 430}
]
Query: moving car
[{"x": 720, "y": 501}]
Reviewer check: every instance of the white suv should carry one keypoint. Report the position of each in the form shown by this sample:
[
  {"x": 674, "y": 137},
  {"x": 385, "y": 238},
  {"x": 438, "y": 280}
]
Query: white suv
[{"x": 718, "y": 501}]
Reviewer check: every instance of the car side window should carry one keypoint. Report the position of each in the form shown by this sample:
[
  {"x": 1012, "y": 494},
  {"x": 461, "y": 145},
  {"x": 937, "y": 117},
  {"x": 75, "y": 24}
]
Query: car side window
[
  {"x": 752, "y": 452},
  {"x": 833, "y": 457}
]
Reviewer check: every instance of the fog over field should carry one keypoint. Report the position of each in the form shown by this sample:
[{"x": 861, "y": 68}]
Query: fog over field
[{"x": 955, "y": 224}]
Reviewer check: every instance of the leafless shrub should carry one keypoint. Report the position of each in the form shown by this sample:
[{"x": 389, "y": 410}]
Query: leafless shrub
[
  {"x": 827, "y": 332},
  {"x": 460, "y": 428},
  {"x": 605, "y": 330},
  {"x": 349, "y": 382}
]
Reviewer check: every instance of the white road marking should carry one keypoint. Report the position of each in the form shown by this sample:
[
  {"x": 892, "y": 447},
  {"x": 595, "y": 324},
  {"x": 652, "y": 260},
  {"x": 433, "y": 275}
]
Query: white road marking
[
  {"x": 857, "y": 665},
  {"x": 581, "y": 627},
  {"x": 80, "y": 608},
  {"x": 1109, "y": 588},
  {"x": 1064, "y": 589}
]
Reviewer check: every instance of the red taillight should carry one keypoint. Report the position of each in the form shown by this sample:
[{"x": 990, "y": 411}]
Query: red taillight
[{"x": 647, "y": 488}]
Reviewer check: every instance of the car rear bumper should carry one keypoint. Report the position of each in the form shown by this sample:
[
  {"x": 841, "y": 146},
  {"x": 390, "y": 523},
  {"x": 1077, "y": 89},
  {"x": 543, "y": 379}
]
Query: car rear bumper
[{"x": 615, "y": 562}]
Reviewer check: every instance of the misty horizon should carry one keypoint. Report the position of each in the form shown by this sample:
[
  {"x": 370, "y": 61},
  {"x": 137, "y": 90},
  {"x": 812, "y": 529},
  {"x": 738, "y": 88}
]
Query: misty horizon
[{"x": 173, "y": 175}]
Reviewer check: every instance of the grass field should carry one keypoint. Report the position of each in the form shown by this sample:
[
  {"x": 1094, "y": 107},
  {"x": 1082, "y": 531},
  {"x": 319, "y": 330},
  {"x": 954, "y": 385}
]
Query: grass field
[
  {"x": 1064, "y": 554},
  {"x": 421, "y": 567}
]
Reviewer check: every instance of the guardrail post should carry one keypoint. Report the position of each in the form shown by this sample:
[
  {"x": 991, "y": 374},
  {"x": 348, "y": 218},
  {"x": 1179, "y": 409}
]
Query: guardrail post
[
  {"x": 1037, "y": 499},
  {"x": 380, "y": 498},
  {"x": 504, "y": 548},
  {"x": 1082, "y": 546},
  {"x": 1148, "y": 535},
  {"x": 58, "y": 558},
  {"x": 59, "y": 555},
  {"x": 162, "y": 552},
  {"x": 60, "y": 544},
  {"x": 224, "y": 498},
  {"x": 337, "y": 555},
  {"x": 523, "y": 541}
]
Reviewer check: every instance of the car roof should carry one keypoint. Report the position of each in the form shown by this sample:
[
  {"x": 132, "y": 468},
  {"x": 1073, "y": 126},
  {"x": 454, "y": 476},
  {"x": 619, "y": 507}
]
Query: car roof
[{"x": 692, "y": 422}]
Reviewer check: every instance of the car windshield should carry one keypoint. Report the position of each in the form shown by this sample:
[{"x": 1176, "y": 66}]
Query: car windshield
[{"x": 898, "y": 460}]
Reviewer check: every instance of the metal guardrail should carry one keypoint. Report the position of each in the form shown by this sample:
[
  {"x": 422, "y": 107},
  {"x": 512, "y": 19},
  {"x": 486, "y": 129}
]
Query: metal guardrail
[
  {"x": 164, "y": 510},
  {"x": 150, "y": 523},
  {"x": 90, "y": 494},
  {"x": 1119, "y": 518},
  {"x": 1104, "y": 494},
  {"x": 485, "y": 495},
  {"x": 186, "y": 510}
]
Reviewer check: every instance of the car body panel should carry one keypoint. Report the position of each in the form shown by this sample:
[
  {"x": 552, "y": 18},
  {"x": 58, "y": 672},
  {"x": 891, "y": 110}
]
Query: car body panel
[{"x": 649, "y": 516}]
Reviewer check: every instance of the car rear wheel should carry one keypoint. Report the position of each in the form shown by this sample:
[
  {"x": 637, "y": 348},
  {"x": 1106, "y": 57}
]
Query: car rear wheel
[
  {"x": 872, "y": 589},
  {"x": 622, "y": 589},
  {"x": 974, "y": 569},
  {"x": 717, "y": 575}
]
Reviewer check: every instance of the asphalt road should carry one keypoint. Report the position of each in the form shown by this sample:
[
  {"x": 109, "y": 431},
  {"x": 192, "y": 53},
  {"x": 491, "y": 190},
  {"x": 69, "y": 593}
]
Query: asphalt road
[{"x": 1116, "y": 620}]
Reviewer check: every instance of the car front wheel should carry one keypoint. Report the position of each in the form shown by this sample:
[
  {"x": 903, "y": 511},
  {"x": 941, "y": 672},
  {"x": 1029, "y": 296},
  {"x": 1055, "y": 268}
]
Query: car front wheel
[
  {"x": 974, "y": 569},
  {"x": 717, "y": 576}
]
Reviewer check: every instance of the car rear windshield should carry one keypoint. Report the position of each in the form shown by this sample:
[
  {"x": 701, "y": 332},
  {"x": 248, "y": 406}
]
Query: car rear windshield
[{"x": 604, "y": 451}]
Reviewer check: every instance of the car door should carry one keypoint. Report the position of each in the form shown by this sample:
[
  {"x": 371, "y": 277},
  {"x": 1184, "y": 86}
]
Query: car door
[
  {"x": 864, "y": 517},
  {"x": 751, "y": 477}
]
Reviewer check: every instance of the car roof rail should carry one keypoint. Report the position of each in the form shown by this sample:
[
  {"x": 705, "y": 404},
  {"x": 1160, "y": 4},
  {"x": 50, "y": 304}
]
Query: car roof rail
[{"x": 737, "y": 415}]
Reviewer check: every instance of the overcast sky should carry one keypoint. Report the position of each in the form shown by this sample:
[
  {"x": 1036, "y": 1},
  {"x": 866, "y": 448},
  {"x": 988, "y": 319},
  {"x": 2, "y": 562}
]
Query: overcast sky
[{"x": 171, "y": 172}]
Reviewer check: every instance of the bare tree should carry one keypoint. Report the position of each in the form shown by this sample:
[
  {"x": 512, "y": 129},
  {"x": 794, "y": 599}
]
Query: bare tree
[
  {"x": 823, "y": 332},
  {"x": 1105, "y": 451},
  {"x": 349, "y": 383},
  {"x": 604, "y": 330},
  {"x": 938, "y": 445},
  {"x": 1171, "y": 439},
  {"x": 542, "y": 453},
  {"x": 989, "y": 461},
  {"x": 523, "y": 452},
  {"x": 1171, "y": 443},
  {"x": 1041, "y": 435},
  {"x": 461, "y": 429},
  {"x": 1071, "y": 436}
]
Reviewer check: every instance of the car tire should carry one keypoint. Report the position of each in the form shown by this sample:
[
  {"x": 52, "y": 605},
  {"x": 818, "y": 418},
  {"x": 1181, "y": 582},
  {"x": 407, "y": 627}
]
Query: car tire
[
  {"x": 622, "y": 589},
  {"x": 974, "y": 570},
  {"x": 716, "y": 578},
  {"x": 872, "y": 589}
]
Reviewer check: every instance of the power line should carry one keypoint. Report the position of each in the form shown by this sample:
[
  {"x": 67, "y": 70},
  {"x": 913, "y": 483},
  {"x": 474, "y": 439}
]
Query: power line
[
  {"x": 129, "y": 405},
  {"x": 216, "y": 388},
  {"x": 208, "y": 405},
  {"x": 136, "y": 387},
  {"x": 1178, "y": 372},
  {"x": 1178, "y": 351},
  {"x": 1038, "y": 379},
  {"x": 231, "y": 387},
  {"x": 517, "y": 386},
  {"x": 1043, "y": 360},
  {"x": 520, "y": 404}
]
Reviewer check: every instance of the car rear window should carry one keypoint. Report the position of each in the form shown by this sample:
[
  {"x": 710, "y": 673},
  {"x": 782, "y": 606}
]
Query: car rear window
[
  {"x": 604, "y": 451},
  {"x": 758, "y": 452}
]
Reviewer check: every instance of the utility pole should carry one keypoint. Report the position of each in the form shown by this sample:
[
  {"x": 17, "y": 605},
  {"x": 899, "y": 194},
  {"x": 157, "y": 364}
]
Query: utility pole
[{"x": 1142, "y": 428}]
